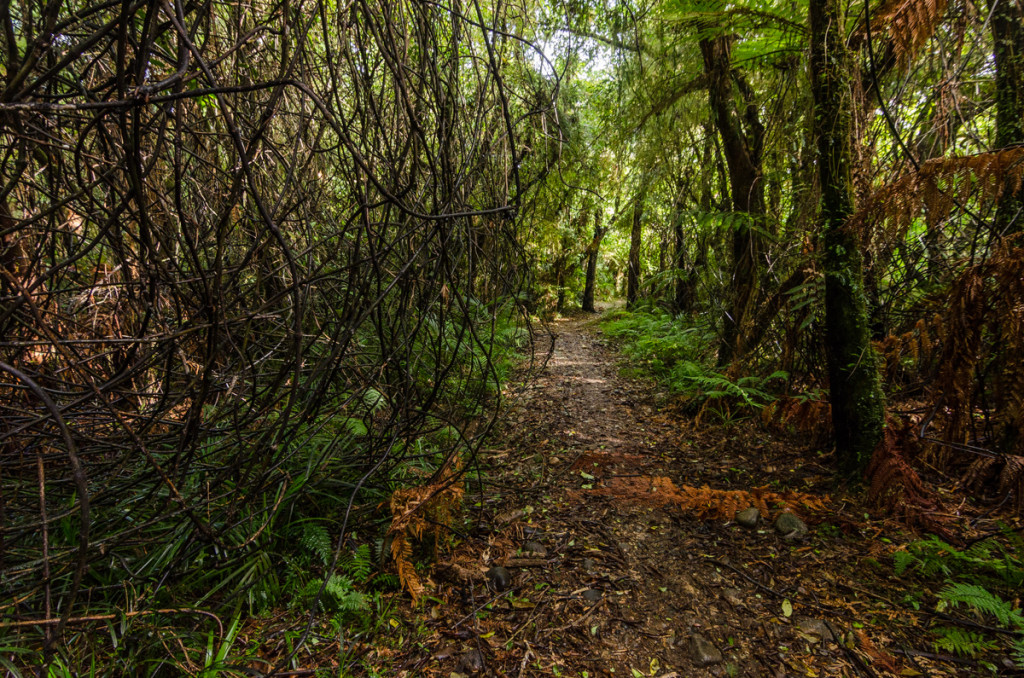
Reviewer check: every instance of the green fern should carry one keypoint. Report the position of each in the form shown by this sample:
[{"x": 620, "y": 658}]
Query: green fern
[
  {"x": 985, "y": 562},
  {"x": 969, "y": 575},
  {"x": 1017, "y": 651},
  {"x": 316, "y": 540},
  {"x": 339, "y": 595},
  {"x": 962, "y": 642},
  {"x": 358, "y": 564},
  {"x": 902, "y": 561},
  {"x": 984, "y": 601}
]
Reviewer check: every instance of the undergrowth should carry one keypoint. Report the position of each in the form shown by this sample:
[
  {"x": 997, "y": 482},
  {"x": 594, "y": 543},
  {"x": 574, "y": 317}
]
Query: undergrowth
[
  {"x": 978, "y": 602},
  {"x": 314, "y": 546},
  {"x": 681, "y": 356}
]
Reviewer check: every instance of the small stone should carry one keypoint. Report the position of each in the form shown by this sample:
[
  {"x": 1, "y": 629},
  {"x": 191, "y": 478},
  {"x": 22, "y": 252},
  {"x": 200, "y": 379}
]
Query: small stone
[
  {"x": 471, "y": 662},
  {"x": 734, "y": 597},
  {"x": 509, "y": 516},
  {"x": 748, "y": 518},
  {"x": 687, "y": 586},
  {"x": 499, "y": 578},
  {"x": 703, "y": 651},
  {"x": 790, "y": 527},
  {"x": 592, "y": 595},
  {"x": 554, "y": 461},
  {"x": 534, "y": 549},
  {"x": 815, "y": 628}
]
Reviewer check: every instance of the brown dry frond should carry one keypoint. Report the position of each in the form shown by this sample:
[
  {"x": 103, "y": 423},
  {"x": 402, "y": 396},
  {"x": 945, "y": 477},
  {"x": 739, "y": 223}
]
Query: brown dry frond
[
  {"x": 936, "y": 187},
  {"x": 417, "y": 512},
  {"x": 906, "y": 25},
  {"x": 879, "y": 657},
  {"x": 979, "y": 473},
  {"x": 921, "y": 344},
  {"x": 723, "y": 504},
  {"x": 984, "y": 318},
  {"x": 896, "y": 487},
  {"x": 1011, "y": 479},
  {"x": 802, "y": 415}
]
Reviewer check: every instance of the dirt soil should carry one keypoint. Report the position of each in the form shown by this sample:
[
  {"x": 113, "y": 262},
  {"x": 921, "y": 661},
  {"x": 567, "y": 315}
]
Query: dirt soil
[{"x": 614, "y": 571}]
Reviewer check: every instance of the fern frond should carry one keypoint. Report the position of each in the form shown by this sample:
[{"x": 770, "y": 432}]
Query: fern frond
[
  {"x": 316, "y": 540},
  {"x": 906, "y": 25},
  {"x": 984, "y": 601},
  {"x": 962, "y": 642},
  {"x": 987, "y": 176},
  {"x": 902, "y": 560}
]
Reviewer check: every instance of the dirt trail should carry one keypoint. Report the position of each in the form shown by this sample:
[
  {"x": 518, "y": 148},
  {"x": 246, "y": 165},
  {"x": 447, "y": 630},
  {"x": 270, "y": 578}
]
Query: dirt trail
[{"x": 607, "y": 579}]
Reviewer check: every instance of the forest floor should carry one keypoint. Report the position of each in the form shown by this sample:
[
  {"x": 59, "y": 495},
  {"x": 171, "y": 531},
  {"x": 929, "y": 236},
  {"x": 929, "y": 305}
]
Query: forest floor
[{"x": 611, "y": 574}]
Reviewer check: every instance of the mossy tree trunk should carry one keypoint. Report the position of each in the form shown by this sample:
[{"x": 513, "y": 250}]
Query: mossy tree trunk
[
  {"x": 1007, "y": 23},
  {"x": 858, "y": 406}
]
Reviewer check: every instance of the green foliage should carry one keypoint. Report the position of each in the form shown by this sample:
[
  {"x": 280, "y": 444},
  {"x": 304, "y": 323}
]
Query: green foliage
[
  {"x": 989, "y": 561},
  {"x": 706, "y": 384},
  {"x": 970, "y": 576},
  {"x": 962, "y": 642},
  {"x": 681, "y": 355},
  {"x": 339, "y": 593},
  {"x": 981, "y": 600},
  {"x": 316, "y": 540},
  {"x": 657, "y": 341}
]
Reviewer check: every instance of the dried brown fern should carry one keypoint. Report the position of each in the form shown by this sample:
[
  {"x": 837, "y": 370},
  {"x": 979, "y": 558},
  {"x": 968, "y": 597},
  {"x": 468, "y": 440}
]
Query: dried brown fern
[
  {"x": 879, "y": 657},
  {"x": 906, "y": 26},
  {"x": 1011, "y": 479},
  {"x": 417, "y": 512},
  {"x": 985, "y": 321},
  {"x": 723, "y": 504},
  {"x": 802, "y": 415},
  {"x": 981, "y": 472},
  {"x": 936, "y": 187},
  {"x": 896, "y": 488},
  {"x": 921, "y": 344}
]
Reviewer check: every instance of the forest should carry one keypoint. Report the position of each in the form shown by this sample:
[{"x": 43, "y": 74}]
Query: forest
[{"x": 511, "y": 338}]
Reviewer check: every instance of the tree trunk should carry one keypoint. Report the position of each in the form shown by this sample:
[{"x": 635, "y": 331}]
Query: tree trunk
[
  {"x": 560, "y": 283},
  {"x": 686, "y": 276},
  {"x": 1007, "y": 22},
  {"x": 743, "y": 157},
  {"x": 592, "y": 251},
  {"x": 633, "y": 279},
  {"x": 858, "y": 406}
]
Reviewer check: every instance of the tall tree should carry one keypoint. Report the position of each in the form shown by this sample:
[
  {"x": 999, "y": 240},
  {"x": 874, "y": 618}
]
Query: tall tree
[
  {"x": 592, "y": 252},
  {"x": 1007, "y": 21},
  {"x": 635, "y": 237},
  {"x": 858, "y": 407},
  {"x": 743, "y": 143}
]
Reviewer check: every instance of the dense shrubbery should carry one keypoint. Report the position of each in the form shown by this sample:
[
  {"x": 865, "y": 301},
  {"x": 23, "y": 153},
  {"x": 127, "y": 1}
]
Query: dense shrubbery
[{"x": 245, "y": 295}]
